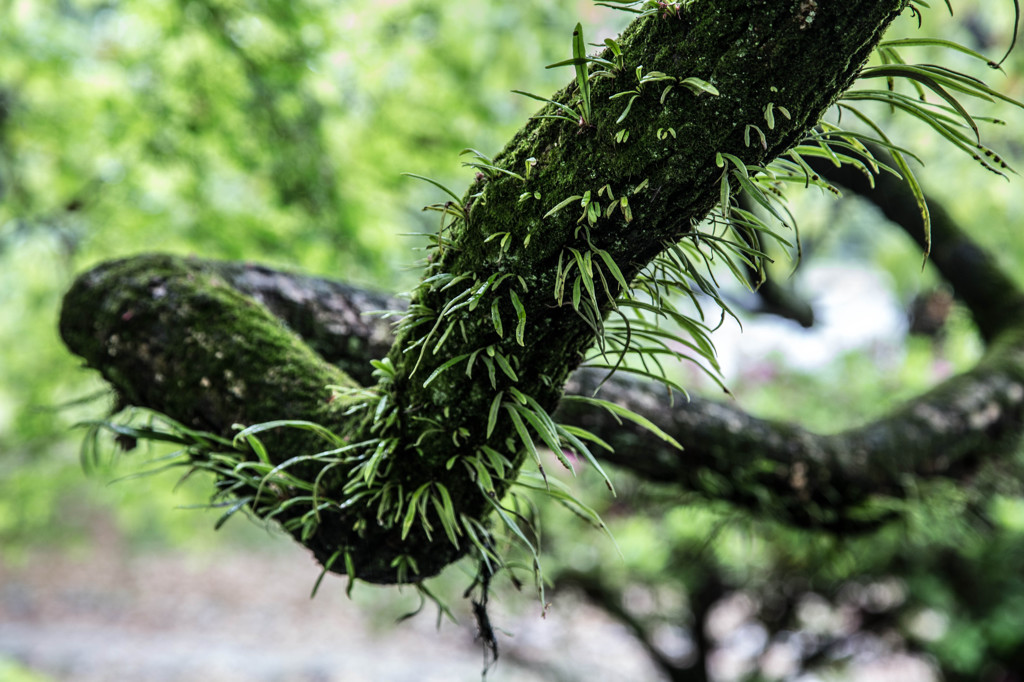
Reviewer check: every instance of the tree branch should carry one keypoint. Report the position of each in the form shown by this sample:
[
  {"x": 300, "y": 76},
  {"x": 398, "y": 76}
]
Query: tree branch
[{"x": 412, "y": 456}]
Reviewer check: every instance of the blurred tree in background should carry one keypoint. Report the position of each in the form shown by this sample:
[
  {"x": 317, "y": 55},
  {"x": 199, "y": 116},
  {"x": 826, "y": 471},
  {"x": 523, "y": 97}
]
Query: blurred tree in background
[{"x": 277, "y": 132}]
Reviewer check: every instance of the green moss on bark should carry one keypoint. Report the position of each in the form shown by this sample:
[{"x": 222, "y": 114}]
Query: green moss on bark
[{"x": 180, "y": 340}]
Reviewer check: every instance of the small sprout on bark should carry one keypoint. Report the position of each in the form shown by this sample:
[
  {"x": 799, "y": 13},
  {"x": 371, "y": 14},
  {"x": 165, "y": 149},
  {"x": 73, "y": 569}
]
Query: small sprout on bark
[
  {"x": 562, "y": 204},
  {"x": 530, "y": 163},
  {"x": 580, "y": 62},
  {"x": 760, "y": 133},
  {"x": 486, "y": 165}
]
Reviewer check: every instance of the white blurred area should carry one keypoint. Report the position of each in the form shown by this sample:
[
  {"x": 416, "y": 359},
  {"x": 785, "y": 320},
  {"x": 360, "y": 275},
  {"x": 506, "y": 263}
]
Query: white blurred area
[{"x": 855, "y": 309}]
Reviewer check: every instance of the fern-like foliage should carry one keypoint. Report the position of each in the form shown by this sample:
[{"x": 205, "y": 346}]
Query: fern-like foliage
[{"x": 645, "y": 324}]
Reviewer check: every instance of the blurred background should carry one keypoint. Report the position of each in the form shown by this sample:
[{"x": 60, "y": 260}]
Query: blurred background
[{"x": 277, "y": 131}]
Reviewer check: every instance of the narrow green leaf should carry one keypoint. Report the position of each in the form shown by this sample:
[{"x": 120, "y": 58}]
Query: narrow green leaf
[
  {"x": 435, "y": 183},
  {"x": 256, "y": 445},
  {"x": 231, "y": 512},
  {"x": 724, "y": 192},
  {"x": 547, "y": 433},
  {"x": 698, "y": 86},
  {"x": 561, "y": 494},
  {"x": 497, "y": 169},
  {"x": 909, "y": 178},
  {"x": 513, "y": 526},
  {"x": 524, "y": 435},
  {"x": 321, "y": 431},
  {"x": 577, "y": 61},
  {"x": 583, "y": 434},
  {"x": 446, "y": 513},
  {"x": 478, "y": 154},
  {"x": 936, "y": 42},
  {"x": 922, "y": 202},
  {"x": 579, "y": 52},
  {"x": 521, "y": 314},
  {"x": 1016, "y": 25},
  {"x": 483, "y": 477},
  {"x": 373, "y": 464},
  {"x": 628, "y": 414},
  {"x": 496, "y": 318},
  {"x": 350, "y": 569},
  {"x": 581, "y": 449},
  {"x": 609, "y": 263},
  {"x": 327, "y": 566},
  {"x": 413, "y": 508},
  {"x": 492, "y": 415},
  {"x": 625, "y": 112},
  {"x": 505, "y": 366},
  {"x": 933, "y": 85},
  {"x": 562, "y": 204},
  {"x": 499, "y": 462},
  {"x": 573, "y": 114},
  {"x": 489, "y": 364},
  {"x": 437, "y": 372}
]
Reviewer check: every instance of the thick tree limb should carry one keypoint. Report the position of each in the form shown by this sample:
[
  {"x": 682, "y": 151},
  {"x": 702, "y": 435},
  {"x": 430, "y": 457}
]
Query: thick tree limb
[
  {"x": 174, "y": 336},
  {"x": 179, "y": 339},
  {"x": 817, "y": 480},
  {"x": 804, "y": 478}
]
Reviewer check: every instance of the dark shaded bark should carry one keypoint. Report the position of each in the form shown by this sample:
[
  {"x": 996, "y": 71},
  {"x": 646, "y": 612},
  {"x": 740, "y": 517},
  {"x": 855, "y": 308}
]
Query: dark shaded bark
[{"x": 335, "y": 319}]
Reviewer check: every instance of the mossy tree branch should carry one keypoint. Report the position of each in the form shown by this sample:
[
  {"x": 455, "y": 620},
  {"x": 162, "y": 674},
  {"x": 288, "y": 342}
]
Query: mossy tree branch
[
  {"x": 802, "y": 478},
  {"x": 182, "y": 341}
]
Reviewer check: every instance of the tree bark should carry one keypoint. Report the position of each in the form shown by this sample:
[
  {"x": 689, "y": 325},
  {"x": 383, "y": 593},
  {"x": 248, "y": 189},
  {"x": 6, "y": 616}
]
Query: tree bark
[{"x": 178, "y": 338}]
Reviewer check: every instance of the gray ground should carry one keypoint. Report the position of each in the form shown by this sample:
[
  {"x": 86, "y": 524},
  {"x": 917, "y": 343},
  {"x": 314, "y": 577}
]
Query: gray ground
[{"x": 103, "y": 614}]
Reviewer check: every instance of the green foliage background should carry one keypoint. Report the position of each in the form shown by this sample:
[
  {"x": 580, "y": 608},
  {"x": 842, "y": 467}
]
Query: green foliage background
[
  {"x": 277, "y": 131},
  {"x": 268, "y": 131}
]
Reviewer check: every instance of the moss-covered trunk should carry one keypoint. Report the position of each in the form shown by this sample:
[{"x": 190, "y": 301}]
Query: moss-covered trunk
[{"x": 493, "y": 331}]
